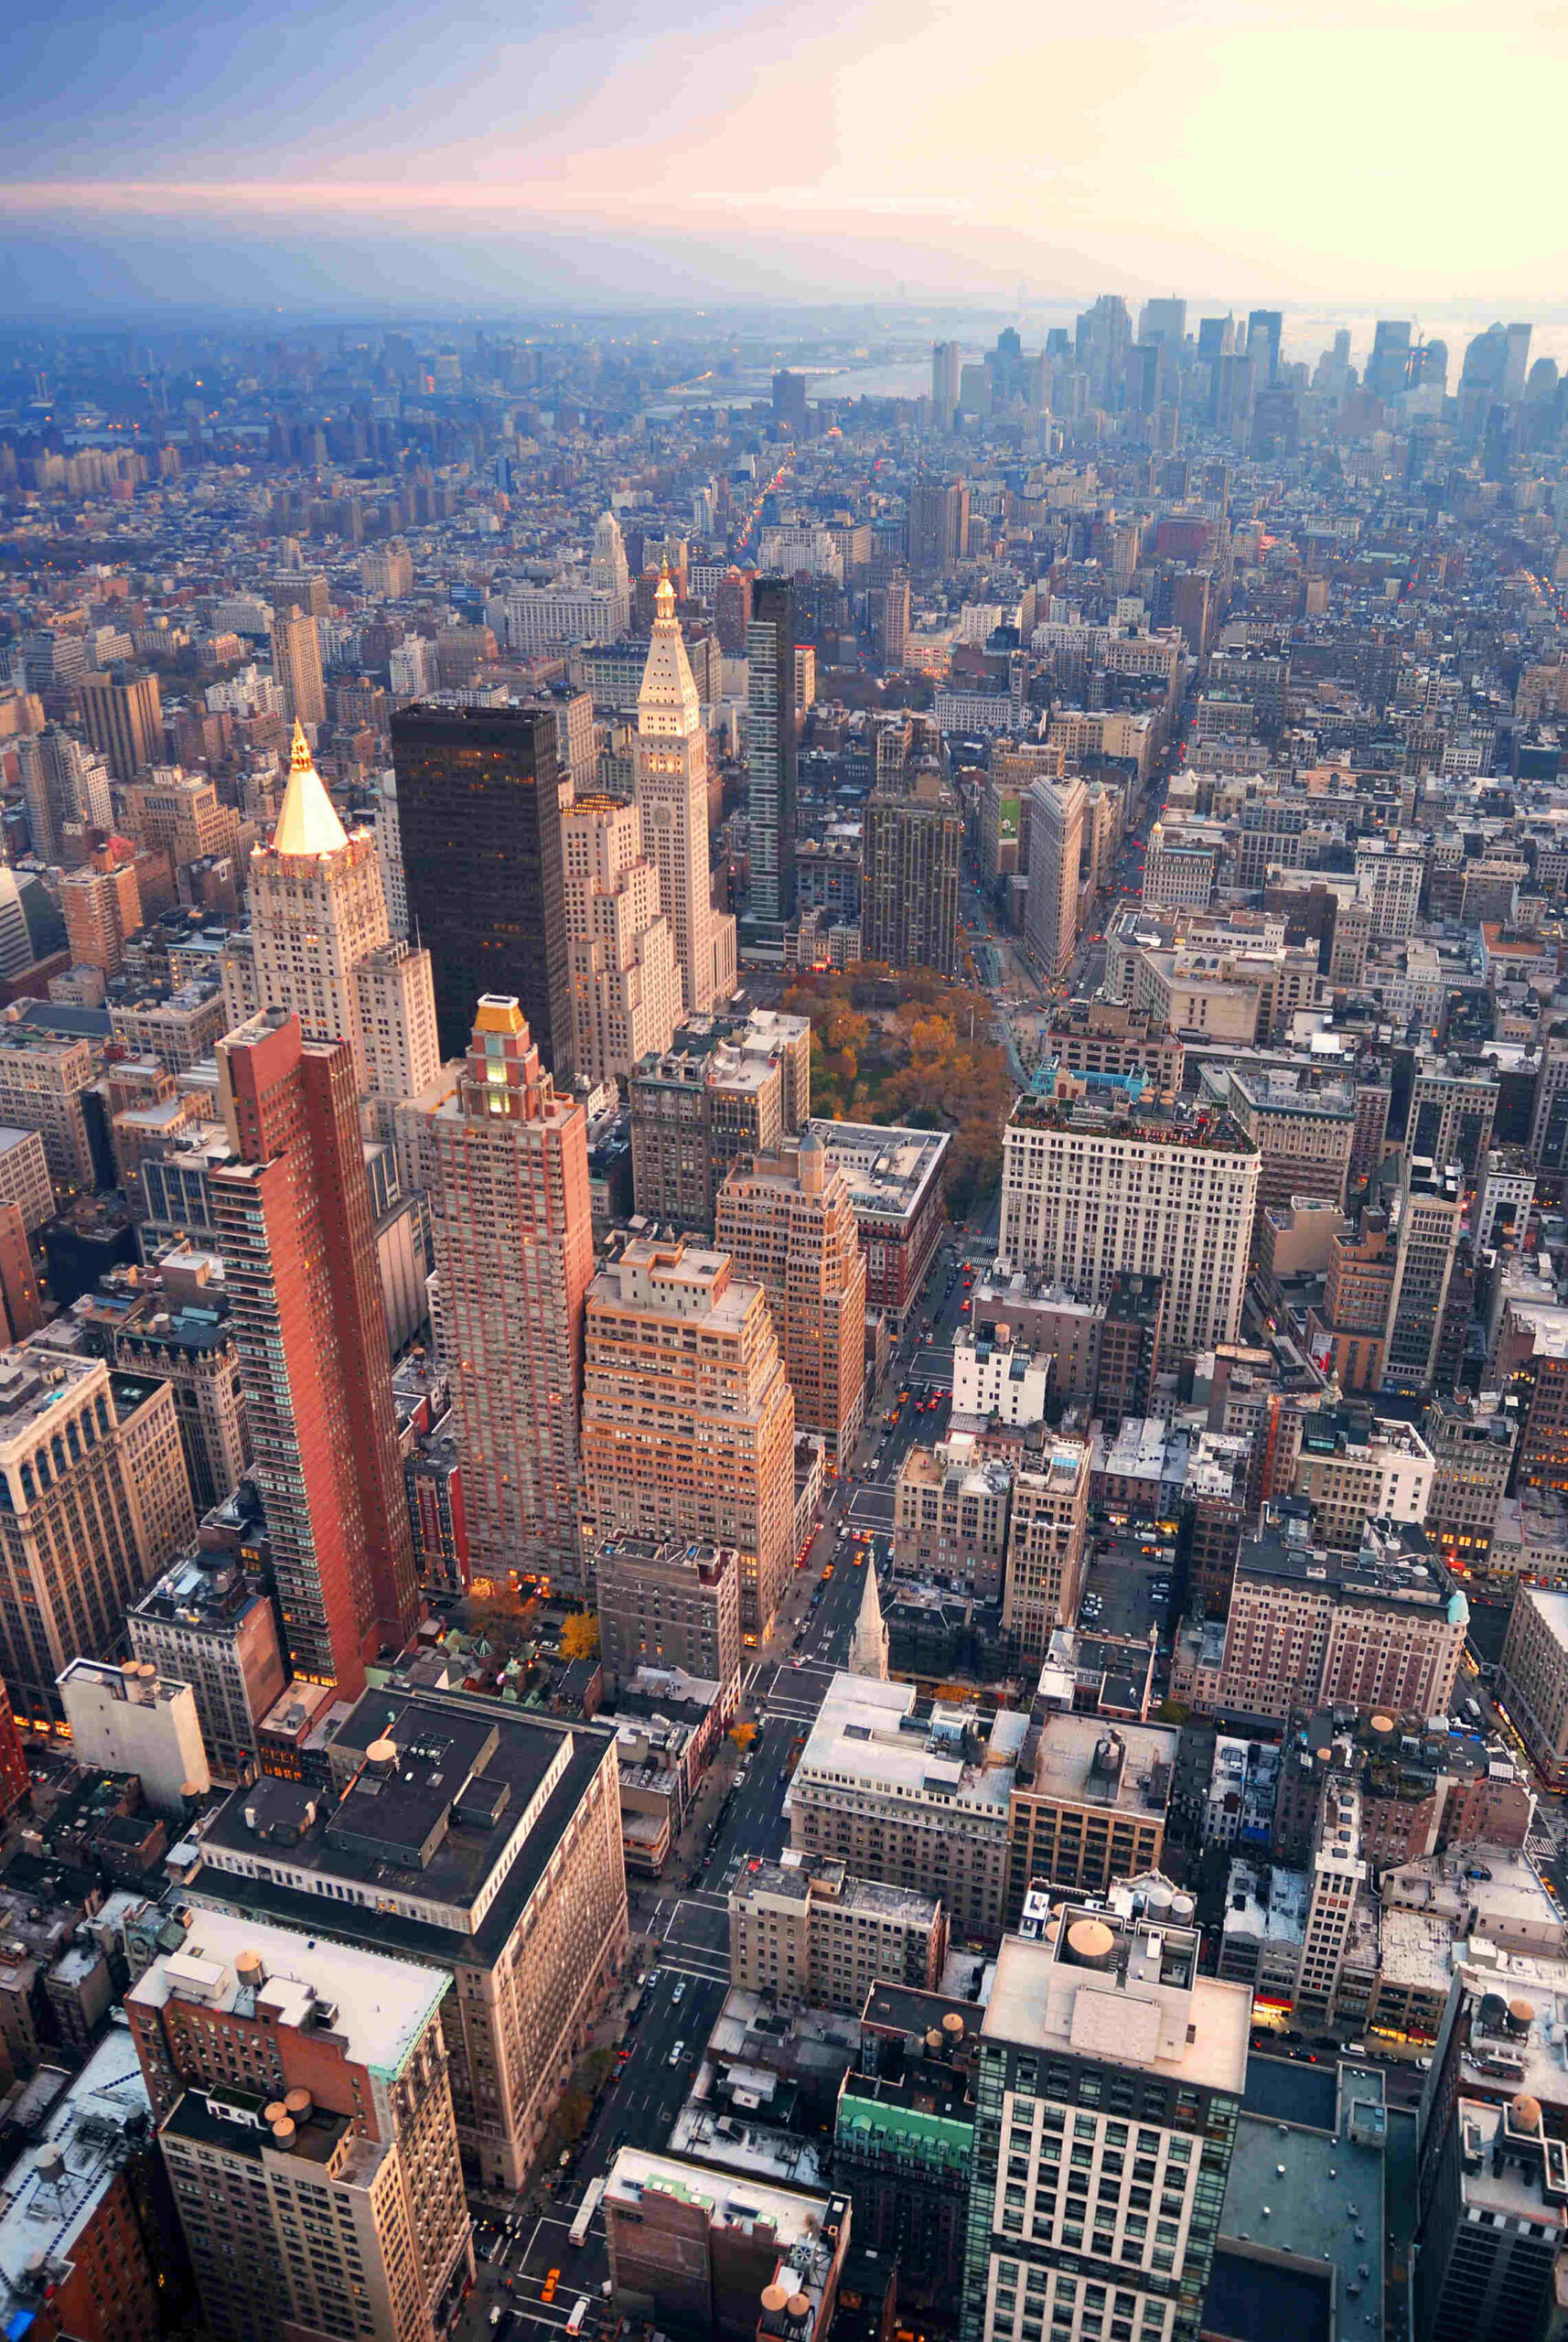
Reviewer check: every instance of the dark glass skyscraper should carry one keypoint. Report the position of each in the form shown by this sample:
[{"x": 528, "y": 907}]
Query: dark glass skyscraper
[
  {"x": 770, "y": 748},
  {"x": 479, "y": 818}
]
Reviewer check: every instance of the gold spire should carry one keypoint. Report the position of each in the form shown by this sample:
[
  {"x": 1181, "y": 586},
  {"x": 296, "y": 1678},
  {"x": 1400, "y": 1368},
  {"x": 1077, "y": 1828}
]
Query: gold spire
[
  {"x": 664, "y": 593},
  {"x": 307, "y": 822}
]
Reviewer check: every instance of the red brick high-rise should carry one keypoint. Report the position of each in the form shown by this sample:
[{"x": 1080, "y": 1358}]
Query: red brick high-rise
[{"x": 293, "y": 1220}]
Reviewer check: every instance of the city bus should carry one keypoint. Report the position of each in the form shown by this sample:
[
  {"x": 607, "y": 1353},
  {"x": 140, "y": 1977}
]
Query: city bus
[{"x": 586, "y": 2210}]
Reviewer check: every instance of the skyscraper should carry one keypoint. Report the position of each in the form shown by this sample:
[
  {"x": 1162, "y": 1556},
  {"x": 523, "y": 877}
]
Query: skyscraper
[
  {"x": 293, "y": 1223},
  {"x": 505, "y": 1162},
  {"x": 938, "y": 526},
  {"x": 672, "y": 787},
  {"x": 790, "y": 401},
  {"x": 628, "y": 993},
  {"x": 910, "y": 893},
  {"x": 479, "y": 818},
  {"x": 1056, "y": 842},
  {"x": 608, "y": 570},
  {"x": 319, "y": 943},
  {"x": 65, "y": 787},
  {"x": 688, "y": 1418},
  {"x": 297, "y": 666},
  {"x": 770, "y": 748},
  {"x": 947, "y": 366},
  {"x": 731, "y": 611},
  {"x": 1265, "y": 328},
  {"x": 121, "y": 715},
  {"x": 788, "y": 1220},
  {"x": 1387, "y": 368}
]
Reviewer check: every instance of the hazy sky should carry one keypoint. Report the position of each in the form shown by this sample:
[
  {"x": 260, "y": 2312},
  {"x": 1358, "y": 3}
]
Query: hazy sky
[{"x": 1389, "y": 150}]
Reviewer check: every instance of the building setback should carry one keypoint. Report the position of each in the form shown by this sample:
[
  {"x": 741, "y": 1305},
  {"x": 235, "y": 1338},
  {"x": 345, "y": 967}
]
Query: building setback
[
  {"x": 504, "y": 1164},
  {"x": 788, "y": 1221},
  {"x": 688, "y": 1417}
]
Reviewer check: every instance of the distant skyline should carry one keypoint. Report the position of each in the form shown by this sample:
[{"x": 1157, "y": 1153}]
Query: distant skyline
[{"x": 1384, "y": 154}]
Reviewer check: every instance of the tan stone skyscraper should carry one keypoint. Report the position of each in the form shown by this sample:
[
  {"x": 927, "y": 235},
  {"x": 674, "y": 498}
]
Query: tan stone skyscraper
[
  {"x": 506, "y": 1165},
  {"x": 628, "y": 993},
  {"x": 319, "y": 943},
  {"x": 672, "y": 804},
  {"x": 688, "y": 1418},
  {"x": 297, "y": 666},
  {"x": 787, "y": 1220}
]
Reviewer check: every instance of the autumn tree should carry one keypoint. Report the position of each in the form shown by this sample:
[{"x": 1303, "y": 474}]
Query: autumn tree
[{"x": 580, "y": 1636}]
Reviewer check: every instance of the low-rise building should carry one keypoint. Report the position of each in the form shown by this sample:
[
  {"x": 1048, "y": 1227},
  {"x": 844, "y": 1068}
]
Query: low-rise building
[
  {"x": 206, "y": 1622},
  {"x": 700, "y": 2252},
  {"x": 1088, "y": 1803},
  {"x": 921, "y": 1802},
  {"x": 803, "y": 1929},
  {"x": 131, "y": 1719},
  {"x": 669, "y": 1603},
  {"x": 950, "y": 1517}
]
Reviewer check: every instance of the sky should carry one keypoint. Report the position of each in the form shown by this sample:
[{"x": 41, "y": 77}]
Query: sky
[{"x": 1372, "y": 152}]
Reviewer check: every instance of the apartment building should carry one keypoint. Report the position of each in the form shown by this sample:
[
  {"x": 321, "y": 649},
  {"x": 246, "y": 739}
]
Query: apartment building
[
  {"x": 726, "y": 1086},
  {"x": 895, "y": 1185},
  {"x": 668, "y": 1602},
  {"x": 1303, "y": 1129},
  {"x": 1087, "y": 1191},
  {"x": 1045, "y": 1541},
  {"x": 1532, "y": 1678},
  {"x": 788, "y": 1223},
  {"x": 802, "y": 1928},
  {"x": 95, "y": 1503},
  {"x": 915, "y": 1806},
  {"x": 206, "y": 1622},
  {"x": 1380, "y": 1630},
  {"x": 1472, "y": 1443},
  {"x": 1107, "y": 2094},
  {"x": 688, "y": 1418},
  {"x": 468, "y": 1837},
  {"x": 304, "y": 2115},
  {"x": 43, "y": 1077},
  {"x": 949, "y": 1518}
]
